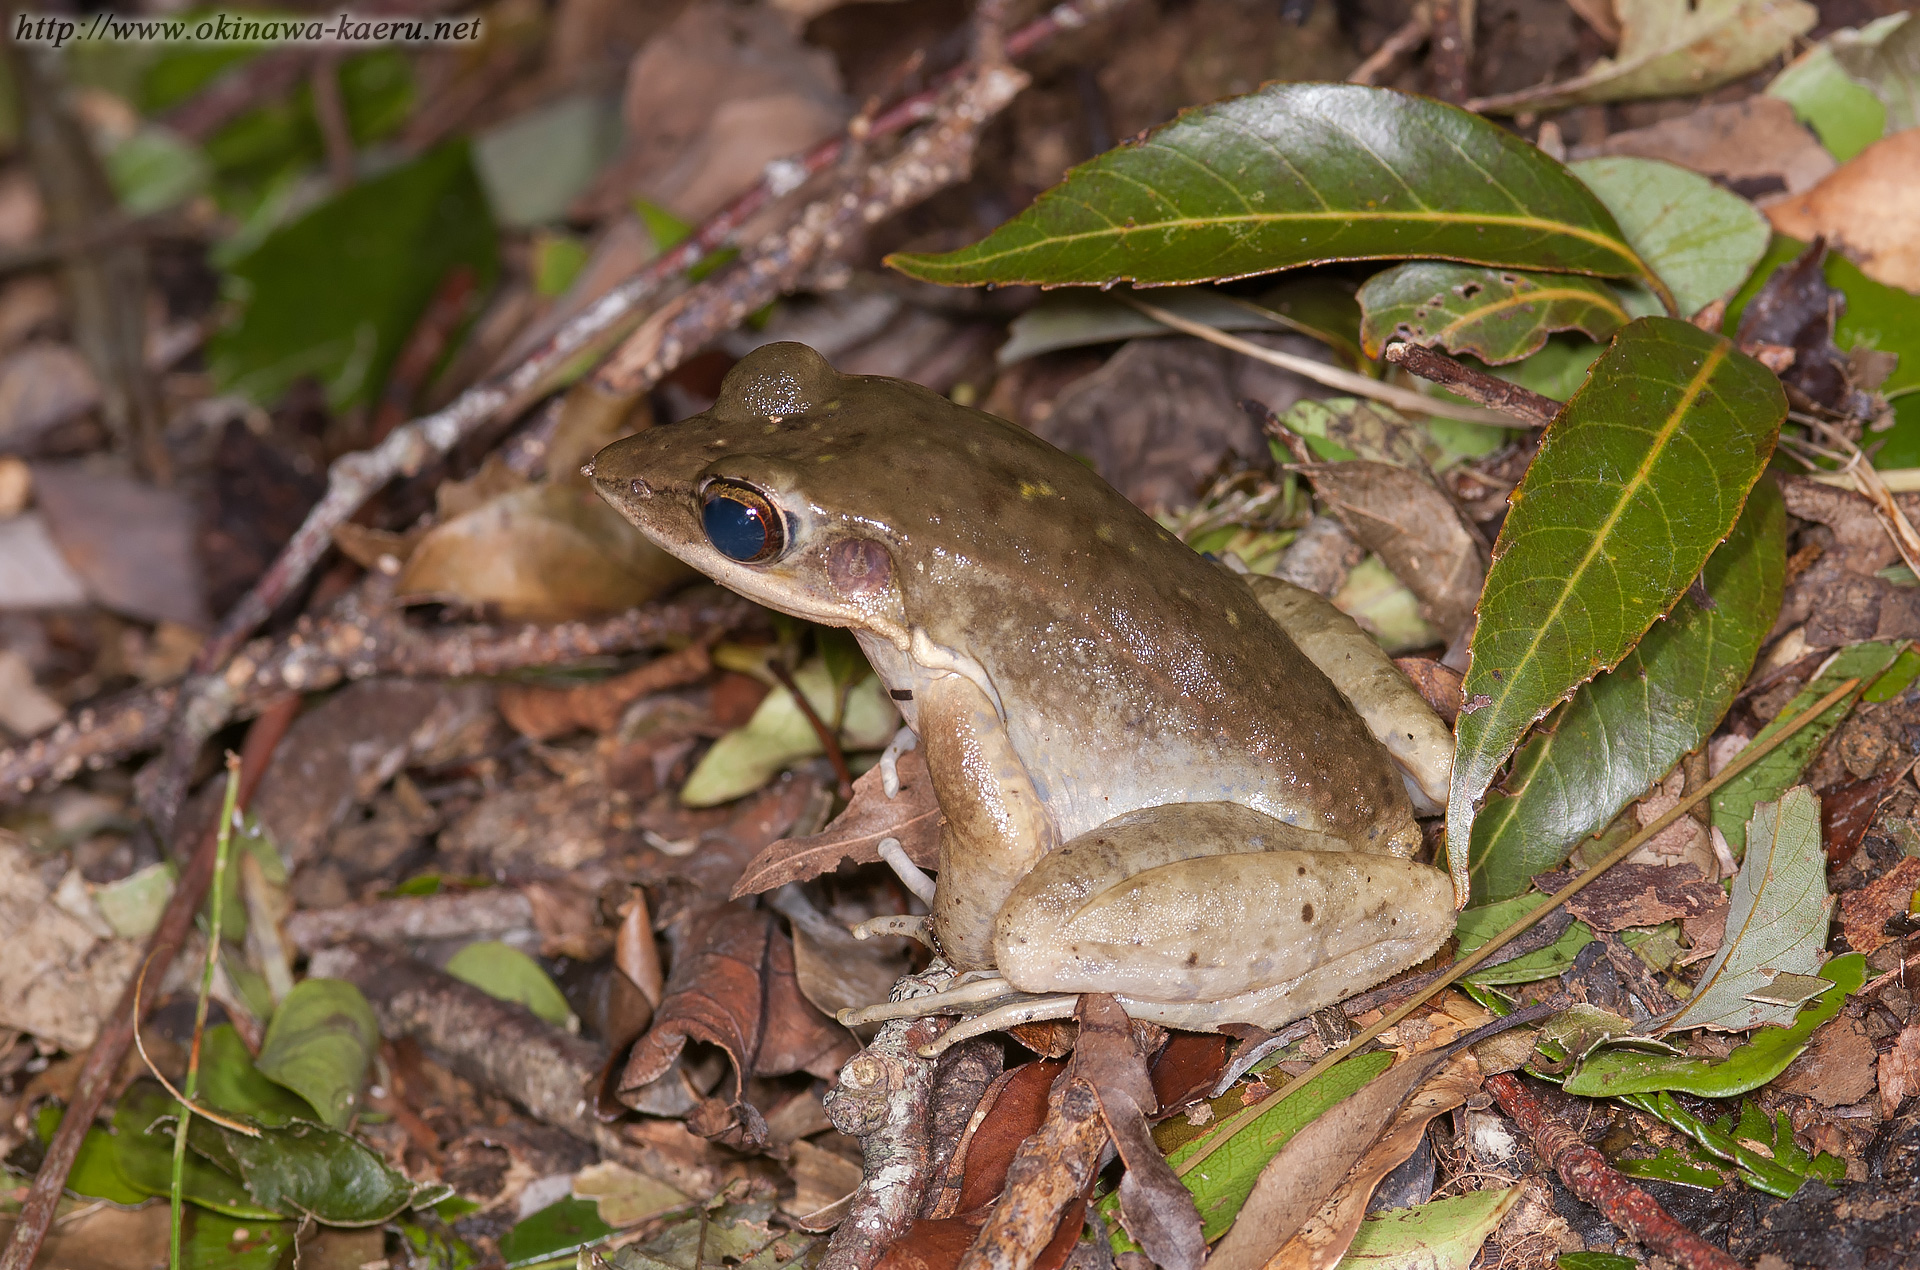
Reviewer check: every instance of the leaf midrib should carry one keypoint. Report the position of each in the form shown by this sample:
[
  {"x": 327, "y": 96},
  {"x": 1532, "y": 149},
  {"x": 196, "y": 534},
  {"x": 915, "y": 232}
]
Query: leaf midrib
[
  {"x": 1662, "y": 438},
  {"x": 1592, "y": 237},
  {"x": 1545, "y": 295}
]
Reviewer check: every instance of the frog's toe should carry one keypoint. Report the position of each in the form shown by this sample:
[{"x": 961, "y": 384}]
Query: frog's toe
[
  {"x": 960, "y": 999},
  {"x": 1000, "y": 1018}
]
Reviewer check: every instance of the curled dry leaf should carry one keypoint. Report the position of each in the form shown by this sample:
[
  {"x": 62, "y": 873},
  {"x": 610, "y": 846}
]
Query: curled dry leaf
[
  {"x": 1866, "y": 206},
  {"x": 912, "y": 816},
  {"x": 1404, "y": 518}
]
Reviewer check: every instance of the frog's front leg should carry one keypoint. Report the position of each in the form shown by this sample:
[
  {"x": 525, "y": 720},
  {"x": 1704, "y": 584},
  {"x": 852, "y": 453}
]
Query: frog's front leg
[{"x": 1201, "y": 914}]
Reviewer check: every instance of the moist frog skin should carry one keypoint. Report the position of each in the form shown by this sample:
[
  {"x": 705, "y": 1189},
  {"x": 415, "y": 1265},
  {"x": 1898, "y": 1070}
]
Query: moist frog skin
[{"x": 1148, "y": 788}]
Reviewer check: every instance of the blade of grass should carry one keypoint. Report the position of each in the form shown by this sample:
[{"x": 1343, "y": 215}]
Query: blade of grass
[
  {"x": 218, "y": 893},
  {"x": 1746, "y": 758}
]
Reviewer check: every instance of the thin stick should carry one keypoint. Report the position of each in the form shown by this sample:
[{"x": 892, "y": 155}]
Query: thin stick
[
  {"x": 1524, "y": 404},
  {"x": 97, "y": 1071},
  {"x": 1321, "y": 373},
  {"x": 1741, "y": 761},
  {"x": 222, "y": 839}
]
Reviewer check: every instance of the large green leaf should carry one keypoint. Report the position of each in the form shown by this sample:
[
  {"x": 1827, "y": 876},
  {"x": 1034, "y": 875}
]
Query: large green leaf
[
  {"x": 1498, "y": 315},
  {"x": 146, "y": 1159},
  {"x": 1625, "y": 729},
  {"x": 1636, "y": 482},
  {"x": 320, "y": 1044},
  {"x": 308, "y": 1170},
  {"x": 1294, "y": 174},
  {"x": 1702, "y": 240},
  {"x": 334, "y": 294}
]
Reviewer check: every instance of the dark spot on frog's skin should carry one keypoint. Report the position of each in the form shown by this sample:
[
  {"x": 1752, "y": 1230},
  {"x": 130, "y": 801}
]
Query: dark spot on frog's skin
[
  {"x": 1306, "y": 913},
  {"x": 1303, "y": 870},
  {"x": 1193, "y": 959},
  {"x": 900, "y": 694}
]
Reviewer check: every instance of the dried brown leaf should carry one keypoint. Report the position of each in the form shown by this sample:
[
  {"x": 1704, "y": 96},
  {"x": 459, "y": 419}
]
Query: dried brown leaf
[
  {"x": 1155, "y": 1206},
  {"x": 1403, "y": 517},
  {"x": 1438, "y": 684},
  {"x": 1848, "y": 809},
  {"x": 1866, "y": 206},
  {"x": 1630, "y": 895},
  {"x": 854, "y": 836},
  {"x": 542, "y": 713},
  {"x": 1899, "y": 1071},
  {"x": 1013, "y": 1109},
  {"x": 1864, "y": 913},
  {"x": 1837, "y": 1067}
]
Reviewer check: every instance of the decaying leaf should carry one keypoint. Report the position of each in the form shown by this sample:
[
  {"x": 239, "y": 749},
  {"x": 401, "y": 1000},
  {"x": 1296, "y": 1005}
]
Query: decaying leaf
[
  {"x": 1444, "y": 1234},
  {"x": 1498, "y": 315},
  {"x": 780, "y": 734},
  {"x": 1777, "y": 923},
  {"x": 1898, "y": 1072},
  {"x": 1629, "y": 895},
  {"x": 912, "y": 817},
  {"x": 1668, "y": 48},
  {"x": 1864, "y": 913},
  {"x": 1402, "y": 516}
]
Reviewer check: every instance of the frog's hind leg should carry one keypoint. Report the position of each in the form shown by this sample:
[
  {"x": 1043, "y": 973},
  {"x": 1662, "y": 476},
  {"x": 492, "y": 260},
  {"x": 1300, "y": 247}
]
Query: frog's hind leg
[{"x": 1211, "y": 913}]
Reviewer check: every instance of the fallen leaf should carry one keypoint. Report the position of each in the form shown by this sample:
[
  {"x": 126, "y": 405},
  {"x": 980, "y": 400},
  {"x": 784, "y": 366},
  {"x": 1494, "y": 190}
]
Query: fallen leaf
[
  {"x": 1865, "y": 208},
  {"x": 1323, "y": 1242},
  {"x": 42, "y": 385},
  {"x": 132, "y": 542},
  {"x": 534, "y": 163},
  {"x": 544, "y": 553},
  {"x": 1444, "y": 1234},
  {"x": 1438, "y": 684},
  {"x": 541, "y": 713},
  {"x": 1340, "y": 429},
  {"x": 1755, "y": 146},
  {"x": 1404, "y": 518},
  {"x": 1796, "y": 310},
  {"x": 1295, "y": 1183},
  {"x": 1667, "y": 49},
  {"x": 1850, "y": 113},
  {"x": 1898, "y": 1074},
  {"x": 626, "y": 1198},
  {"x": 505, "y": 973},
  {"x": 1864, "y": 913},
  {"x": 1497, "y": 315},
  {"x": 24, "y": 708},
  {"x": 1012, "y": 1110},
  {"x": 853, "y": 837},
  {"x": 58, "y": 979},
  {"x": 1157, "y": 1211},
  {"x": 779, "y": 734},
  {"x": 33, "y": 573},
  {"x": 1848, "y": 809},
  {"x": 1777, "y": 922},
  {"x": 1074, "y": 319},
  {"x": 1837, "y": 1067}
]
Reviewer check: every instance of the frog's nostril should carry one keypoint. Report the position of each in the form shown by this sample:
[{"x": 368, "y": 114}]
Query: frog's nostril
[{"x": 639, "y": 488}]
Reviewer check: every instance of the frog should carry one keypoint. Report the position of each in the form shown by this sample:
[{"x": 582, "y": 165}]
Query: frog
[{"x": 1147, "y": 787}]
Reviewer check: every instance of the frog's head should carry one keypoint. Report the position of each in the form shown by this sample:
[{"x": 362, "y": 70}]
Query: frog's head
[{"x": 764, "y": 492}]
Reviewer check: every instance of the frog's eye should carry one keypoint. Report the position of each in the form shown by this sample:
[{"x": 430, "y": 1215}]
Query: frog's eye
[{"x": 741, "y": 524}]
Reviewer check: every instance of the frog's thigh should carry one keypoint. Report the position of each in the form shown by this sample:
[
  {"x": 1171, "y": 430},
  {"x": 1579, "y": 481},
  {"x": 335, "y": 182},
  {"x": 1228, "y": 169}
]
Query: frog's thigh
[{"x": 1259, "y": 936}]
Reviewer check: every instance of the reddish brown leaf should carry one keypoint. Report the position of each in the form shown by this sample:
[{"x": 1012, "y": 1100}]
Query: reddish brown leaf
[
  {"x": 931, "y": 1245},
  {"x": 1629, "y": 895},
  {"x": 1439, "y": 684},
  {"x": 1847, "y": 811},
  {"x": 1050, "y": 1171},
  {"x": 1156, "y": 1208},
  {"x": 855, "y": 834},
  {"x": 1186, "y": 1068},
  {"x": 542, "y": 713},
  {"x": 1401, "y": 515},
  {"x": 1899, "y": 1073},
  {"x": 1836, "y": 1069},
  {"x": 1015, "y": 1107},
  {"x": 1864, "y": 913},
  {"x": 797, "y": 1037}
]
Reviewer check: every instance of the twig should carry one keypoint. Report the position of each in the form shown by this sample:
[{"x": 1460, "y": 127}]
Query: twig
[
  {"x": 368, "y": 637},
  {"x": 1452, "y": 54},
  {"x": 1411, "y": 35},
  {"x": 1739, "y": 763},
  {"x": 102, "y": 231},
  {"x": 257, "y": 80},
  {"x": 354, "y": 478},
  {"x": 330, "y": 110},
  {"x": 1523, "y": 404},
  {"x": 829, "y": 738},
  {"x": 222, "y": 840},
  {"x": 1589, "y": 1176},
  {"x": 1321, "y": 373},
  {"x": 882, "y": 1097},
  {"x": 102, "y": 1062}
]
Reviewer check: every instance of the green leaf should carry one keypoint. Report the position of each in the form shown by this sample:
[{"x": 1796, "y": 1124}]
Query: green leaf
[
  {"x": 779, "y": 735},
  {"x": 1297, "y": 174},
  {"x": 738, "y": 1234},
  {"x": 536, "y": 162},
  {"x": 1667, "y": 48},
  {"x": 1441, "y": 1234},
  {"x": 214, "y": 1241},
  {"x": 1735, "y": 802},
  {"x": 1672, "y": 1166},
  {"x": 508, "y": 974},
  {"x": 1636, "y": 482},
  {"x": 1222, "y": 1181},
  {"x": 132, "y": 905},
  {"x": 1497, "y": 315},
  {"x": 558, "y": 1230},
  {"x": 1777, "y": 922},
  {"x": 96, "y": 1172},
  {"x": 1627, "y": 728},
  {"x": 320, "y": 1044},
  {"x": 1763, "y": 1150},
  {"x": 1825, "y": 95},
  {"x": 1701, "y": 239},
  {"x": 1594, "y": 1261},
  {"x": 229, "y": 1081},
  {"x": 146, "y": 1159},
  {"x": 305, "y": 1169},
  {"x": 1612, "y": 1072},
  {"x": 1322, "y": 307},
  {"x": 1477, "y": 925},
  {"x": 336, "y": 293},
  {"x": 1341, "y": 429}
]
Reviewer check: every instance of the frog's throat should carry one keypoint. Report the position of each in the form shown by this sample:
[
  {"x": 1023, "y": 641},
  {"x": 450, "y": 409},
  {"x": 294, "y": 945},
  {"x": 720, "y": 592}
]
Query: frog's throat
[{"x": 931, "y": 656}]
